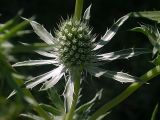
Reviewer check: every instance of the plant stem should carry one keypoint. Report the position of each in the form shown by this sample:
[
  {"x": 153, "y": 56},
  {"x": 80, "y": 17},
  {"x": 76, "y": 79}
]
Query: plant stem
[
  {"x": 127, "y": 92},
  {"x": 78, "y": 9},
  {"x": 76, "y": 74}
]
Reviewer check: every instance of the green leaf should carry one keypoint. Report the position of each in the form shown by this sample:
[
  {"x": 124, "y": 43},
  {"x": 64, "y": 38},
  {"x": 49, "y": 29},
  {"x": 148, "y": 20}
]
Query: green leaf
[
  {"x": 153, "y": 35},
  {"x": 40, "y": 48},
  {"x": 13, "y": 31},
  {"x": 155, "y": 111},
  {"x": 102, "y": 116},
  {"x": 30, "y": 48},
  {"x": 89, "y": 104},
  {"x": 152, "y": 15},
  {"x": 7, "y": 73},
  {"x": 56, "y": 100},
  {"x": 32, "y": 116},
  {"x": 9, "y": 24},
  {"x": 156, "y": 61},
  {"x": 52, "y": 110}
]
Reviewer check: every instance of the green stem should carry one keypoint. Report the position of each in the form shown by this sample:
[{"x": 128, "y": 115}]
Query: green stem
[
  {"x": 76, "y": 77},
  {"x": 78, "y": 9},
  {"x": 127, "y": 92}
]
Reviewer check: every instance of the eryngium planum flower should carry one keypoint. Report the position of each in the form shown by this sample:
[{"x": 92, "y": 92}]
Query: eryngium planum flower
[{"x": 74, "y": 48}]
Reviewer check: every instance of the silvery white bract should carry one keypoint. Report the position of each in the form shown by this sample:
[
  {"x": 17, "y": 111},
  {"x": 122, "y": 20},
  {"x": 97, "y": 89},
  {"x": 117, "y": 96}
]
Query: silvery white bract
[{"x": 75, "y": 47}]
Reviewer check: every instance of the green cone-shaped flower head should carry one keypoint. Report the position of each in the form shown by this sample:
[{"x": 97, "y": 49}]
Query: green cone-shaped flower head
[{"x": 74, "y": 43}]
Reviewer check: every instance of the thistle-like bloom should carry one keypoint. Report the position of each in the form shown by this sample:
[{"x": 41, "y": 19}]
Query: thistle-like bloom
[{"x": 75, "y": 47}]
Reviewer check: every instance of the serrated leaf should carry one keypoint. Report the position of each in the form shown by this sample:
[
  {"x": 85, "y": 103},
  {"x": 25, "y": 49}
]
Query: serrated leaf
[
  {"x": 55, "y": 98},
  {"x": 153, "y": 35},
  {"x": 89, "y": 104},
  {"x": 52, "y": 110},
  {"x": 32, "y": 116},
  {"x": 152, "y": 15},
  {"x": 118, "y": 76},
  {"x": 123, "y": 54}
]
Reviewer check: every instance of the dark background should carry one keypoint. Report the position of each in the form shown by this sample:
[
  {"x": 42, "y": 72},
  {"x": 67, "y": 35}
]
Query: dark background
[{"x": 138, "y": 106}]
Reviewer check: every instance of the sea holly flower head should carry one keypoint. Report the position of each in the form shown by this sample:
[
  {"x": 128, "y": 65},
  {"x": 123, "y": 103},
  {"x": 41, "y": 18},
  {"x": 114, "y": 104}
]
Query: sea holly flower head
[
  {"x": 74, "y": 43},
  {"x": 75, "y": 48}
]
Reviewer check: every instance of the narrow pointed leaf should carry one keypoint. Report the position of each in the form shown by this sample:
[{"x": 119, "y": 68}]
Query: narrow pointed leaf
[
  {"x": 148, "y": 31},
  {"x": 102, "y": 116},
  {"x": 156, "y": 61},
  {"x": 8, "y": 24},
  {"x": 155, "y": 111},
  {"x": 34, "y": 62},
  {"x": 111, "y": 32},
  {"x": 152, "y": 15},
  {"x": 51, "y": 109},
  {"x": 28, "y": 48},
  {"x": 32, "y": 116},
  {"x": 41, "y": 32},
  {"x": 12, "y": 94},
  {"x": 123, "y": 54},
  {"x": 153, "y": 35},
  {"x": 86, "y": 16},
  {"x": 56, "y": 99},
  {"x": 7, "y": 73},
  {"x": 89, "y": 104},
  {"x": 13, "y": 31},
  {"x": 118, "y": 76}
]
